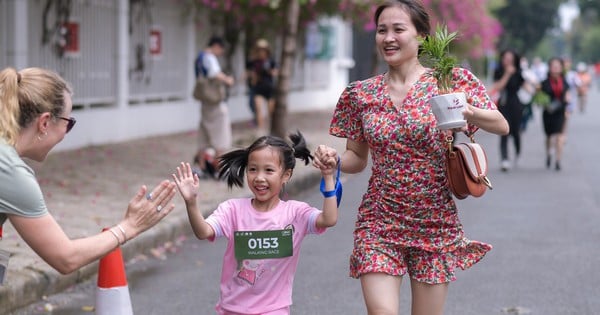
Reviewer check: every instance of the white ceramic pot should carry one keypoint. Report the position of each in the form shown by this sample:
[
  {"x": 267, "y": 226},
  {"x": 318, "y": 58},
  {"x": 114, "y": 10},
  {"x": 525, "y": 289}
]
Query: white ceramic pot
[{"x": 448, "y": 108}]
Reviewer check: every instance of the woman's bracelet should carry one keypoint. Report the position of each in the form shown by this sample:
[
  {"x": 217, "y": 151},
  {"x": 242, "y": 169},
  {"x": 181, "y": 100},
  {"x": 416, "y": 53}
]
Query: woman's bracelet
[
  {"x": 123, "y": 232},
  {"x": 116, "y": 236}
]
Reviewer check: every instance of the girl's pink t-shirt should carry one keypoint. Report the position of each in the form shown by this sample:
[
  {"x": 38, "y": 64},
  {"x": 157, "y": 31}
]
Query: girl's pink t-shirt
[{"x": 254, "y": 286}]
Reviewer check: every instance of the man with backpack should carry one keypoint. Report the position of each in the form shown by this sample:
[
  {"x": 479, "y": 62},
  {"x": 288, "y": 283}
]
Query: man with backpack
[{"x": 214, "y": 130}]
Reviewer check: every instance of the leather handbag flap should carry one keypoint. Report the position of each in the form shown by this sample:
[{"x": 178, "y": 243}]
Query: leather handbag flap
[{"x": 475, "y": 158}]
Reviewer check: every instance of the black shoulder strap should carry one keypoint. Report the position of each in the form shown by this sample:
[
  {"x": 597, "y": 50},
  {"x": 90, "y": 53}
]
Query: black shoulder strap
[{"x": 199, "y": 65}]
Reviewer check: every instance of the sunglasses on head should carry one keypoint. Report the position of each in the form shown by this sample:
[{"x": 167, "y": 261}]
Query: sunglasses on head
[{"x": 71, "y": 122}]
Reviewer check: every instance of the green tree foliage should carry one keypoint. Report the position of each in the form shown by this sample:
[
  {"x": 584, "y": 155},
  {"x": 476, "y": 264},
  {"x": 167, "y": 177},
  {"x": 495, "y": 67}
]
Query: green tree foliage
[
  {"x": 584, "y": 36},
  {"x": 589, "y": 5},
  {"x": 590, "y": 45},
  {"x": 525, "y": 22}
]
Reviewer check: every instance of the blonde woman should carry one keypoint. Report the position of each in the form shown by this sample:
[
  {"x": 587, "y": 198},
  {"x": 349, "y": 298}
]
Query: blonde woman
[{"x": 35, "y": 115}]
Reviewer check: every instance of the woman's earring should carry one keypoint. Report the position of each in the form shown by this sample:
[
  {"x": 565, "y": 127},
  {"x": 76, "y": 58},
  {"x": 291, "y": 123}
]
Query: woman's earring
[{"x": 40, "y": 138}]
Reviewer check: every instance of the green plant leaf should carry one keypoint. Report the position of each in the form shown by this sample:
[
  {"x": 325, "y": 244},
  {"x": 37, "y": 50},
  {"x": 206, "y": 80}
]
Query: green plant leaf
[
  {"x": 435, "y": 53},
  {"x": 541, "y": 98}
]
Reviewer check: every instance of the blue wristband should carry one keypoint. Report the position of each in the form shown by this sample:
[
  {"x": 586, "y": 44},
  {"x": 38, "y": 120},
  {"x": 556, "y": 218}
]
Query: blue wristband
[
  {"x": 327, "y": 194},
  {"x": 338, "y": 186}
]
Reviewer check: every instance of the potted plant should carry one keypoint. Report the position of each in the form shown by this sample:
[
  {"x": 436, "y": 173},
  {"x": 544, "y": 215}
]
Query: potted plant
[{"x": 435, "y": 54}]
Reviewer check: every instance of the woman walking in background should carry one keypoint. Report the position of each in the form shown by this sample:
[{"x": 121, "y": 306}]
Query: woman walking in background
[
  {"x": 553, "y": 116},
  {"x": 507, "y": 81},
  {"x": 585, "y": 81},
  {"x": 261, "y": 71}
]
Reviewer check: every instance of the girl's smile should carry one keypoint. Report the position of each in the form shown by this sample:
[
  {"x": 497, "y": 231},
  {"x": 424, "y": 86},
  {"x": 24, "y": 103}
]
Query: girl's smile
[{"x": 266, "y": 177}]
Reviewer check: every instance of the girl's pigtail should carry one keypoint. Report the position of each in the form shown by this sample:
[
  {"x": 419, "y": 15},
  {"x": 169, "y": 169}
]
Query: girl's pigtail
[
  {"x": 232, "y": 166},
  {"x": 299, "y": 147}
]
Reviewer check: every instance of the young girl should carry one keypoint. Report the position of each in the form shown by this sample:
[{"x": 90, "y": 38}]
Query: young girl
[{"x": 264, "y": 232}]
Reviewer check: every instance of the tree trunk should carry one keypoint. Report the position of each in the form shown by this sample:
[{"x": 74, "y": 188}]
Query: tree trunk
[{"x": 279, "y": 117}]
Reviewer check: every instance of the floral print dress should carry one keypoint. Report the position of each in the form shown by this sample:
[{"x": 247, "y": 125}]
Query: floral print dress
[{"x": 407, "y": 204}]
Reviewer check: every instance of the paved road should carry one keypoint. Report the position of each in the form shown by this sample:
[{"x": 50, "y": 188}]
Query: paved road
[{"x": 544, "y": 225}]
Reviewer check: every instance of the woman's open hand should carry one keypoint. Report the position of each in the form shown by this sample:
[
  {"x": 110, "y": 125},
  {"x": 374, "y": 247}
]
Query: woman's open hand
[{"x": 147, "y": 208}]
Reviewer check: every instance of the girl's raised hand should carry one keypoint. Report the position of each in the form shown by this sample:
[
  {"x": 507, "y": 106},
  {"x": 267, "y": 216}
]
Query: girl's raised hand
[{"x": 187, "y": 182}]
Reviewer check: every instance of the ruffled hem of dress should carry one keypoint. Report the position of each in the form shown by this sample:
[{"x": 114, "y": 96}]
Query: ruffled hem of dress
[
  {"x": 462, "y": 254},
  {"x": 470, "y": 252}
]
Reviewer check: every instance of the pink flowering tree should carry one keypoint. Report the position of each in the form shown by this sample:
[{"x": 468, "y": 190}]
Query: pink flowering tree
[{"x": 478, "y": 30}]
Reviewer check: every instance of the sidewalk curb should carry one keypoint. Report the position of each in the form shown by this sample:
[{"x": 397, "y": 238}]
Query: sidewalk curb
[{"x": 29, "y": 286}]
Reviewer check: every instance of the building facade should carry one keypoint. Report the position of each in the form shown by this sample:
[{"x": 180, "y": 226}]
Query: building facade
[{"x": 130, "y": 64}]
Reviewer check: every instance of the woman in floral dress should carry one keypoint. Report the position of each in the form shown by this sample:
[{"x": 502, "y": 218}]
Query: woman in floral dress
[{"x": 407, "y": 221}]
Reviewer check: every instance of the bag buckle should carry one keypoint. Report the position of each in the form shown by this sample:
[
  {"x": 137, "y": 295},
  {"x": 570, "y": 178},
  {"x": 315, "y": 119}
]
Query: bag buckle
[
  {"x": 450, "y": 142},
  {"x": 486, "y": 181}
]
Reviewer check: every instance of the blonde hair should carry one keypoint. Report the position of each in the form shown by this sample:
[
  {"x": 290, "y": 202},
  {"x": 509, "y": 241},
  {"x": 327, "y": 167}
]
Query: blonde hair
[{"x": 26, "y": 94}]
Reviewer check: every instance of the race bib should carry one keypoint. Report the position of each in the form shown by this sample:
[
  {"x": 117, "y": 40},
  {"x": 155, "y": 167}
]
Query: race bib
[{"x": 263, "y": 244}]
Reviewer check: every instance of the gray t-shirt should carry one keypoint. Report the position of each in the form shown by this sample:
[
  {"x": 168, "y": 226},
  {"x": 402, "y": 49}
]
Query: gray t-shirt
[{"x": 20, "y": 192}]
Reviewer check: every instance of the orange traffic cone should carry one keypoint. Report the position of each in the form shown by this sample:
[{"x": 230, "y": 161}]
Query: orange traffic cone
[{"x": 112, "y": 293}]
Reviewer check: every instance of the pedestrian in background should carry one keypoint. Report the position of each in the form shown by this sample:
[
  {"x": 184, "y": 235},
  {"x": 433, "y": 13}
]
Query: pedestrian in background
[
  {"x": 407, "y": 221},
  {"x": 261, "y": 72},
  {"x": 574, "y": 84},
  {"x": 585, "y": 80},
  {"x": 597, "y": 73},
  {"x": 214, "y": 130},
  {"x": 35, "y": 115},
  {"x": 554, "y": 114},
  {"x": 260, "y": 283},
  {"x": 540, "y": 68},
  {"x": 507, "y": 81},
  {"x": 526, "y": 93}
]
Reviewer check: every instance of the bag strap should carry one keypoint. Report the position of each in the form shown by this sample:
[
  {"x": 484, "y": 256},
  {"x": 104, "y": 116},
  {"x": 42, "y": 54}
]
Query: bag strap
[
  {"x": 199, "y": 65},
  {"x": 450, "y": 139},
  {"x": 470, "y": 135}
]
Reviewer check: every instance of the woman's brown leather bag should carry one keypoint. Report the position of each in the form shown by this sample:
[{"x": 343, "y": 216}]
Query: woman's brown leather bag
[{"x": 466, "y": 169}]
